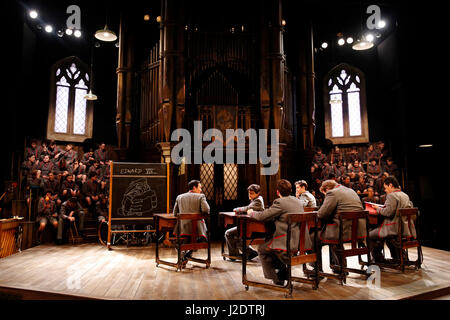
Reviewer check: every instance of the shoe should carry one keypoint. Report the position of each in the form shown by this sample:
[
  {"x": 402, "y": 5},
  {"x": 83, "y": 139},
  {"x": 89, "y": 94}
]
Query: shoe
[
  {"x": 184, "y": 260},
  {"x": 278, "y": 282},
  {"x": 253, "y": 254},
  {"x": 337, "y": 271},
  {"x": 282, "y": 274},
  {"x": 188, "y": 254}
]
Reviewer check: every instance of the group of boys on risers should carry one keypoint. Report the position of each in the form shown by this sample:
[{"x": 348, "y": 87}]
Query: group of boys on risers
[
  {"x": 66, "y": 182},
  {"x": 337, "y": 198},
  {"x": 363, "y": 173}
]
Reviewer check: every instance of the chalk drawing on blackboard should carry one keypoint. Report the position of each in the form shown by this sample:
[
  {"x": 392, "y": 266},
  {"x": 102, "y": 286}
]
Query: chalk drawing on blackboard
[{"x": 139, "y": 199}]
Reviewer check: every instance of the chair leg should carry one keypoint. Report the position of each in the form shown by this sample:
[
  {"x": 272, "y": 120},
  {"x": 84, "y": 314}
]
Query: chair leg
[
  {"x": 316, "y": 281},
  {"x": 419, "y": 257}
]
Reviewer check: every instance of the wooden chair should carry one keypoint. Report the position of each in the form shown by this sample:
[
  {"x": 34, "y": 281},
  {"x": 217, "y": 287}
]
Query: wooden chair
[
  {"x": 404, "y": 243},
  {"x": 343, "y": 253},
  {"x": 74, "y": 237},
  {"x": 300, "y": 257},
  {"x": 295, "y": 258},
  {"x": 312, "y": 224},
  {"x": 192, "y": 245}
]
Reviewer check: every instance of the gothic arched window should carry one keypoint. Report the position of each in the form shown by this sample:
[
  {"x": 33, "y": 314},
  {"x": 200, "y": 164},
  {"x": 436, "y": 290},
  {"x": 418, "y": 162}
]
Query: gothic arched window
[
  {"x": 70, "y": 116},
  {"x": 345, "y": 106}
]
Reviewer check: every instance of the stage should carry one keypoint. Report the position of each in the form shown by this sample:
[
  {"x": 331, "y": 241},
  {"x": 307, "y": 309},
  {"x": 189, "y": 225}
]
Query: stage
[{"x": 90, "y": 271}]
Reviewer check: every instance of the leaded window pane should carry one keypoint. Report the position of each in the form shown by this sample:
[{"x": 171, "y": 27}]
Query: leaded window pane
[
  {"x": 79, "y": 122},
  {"x": 62, "y": 107},
  {"x": 207, "y": 179},
  {"x": 354, "y": 111},
  {"x": 337, "y": 123},
  {"x": 230, "y": 181}
]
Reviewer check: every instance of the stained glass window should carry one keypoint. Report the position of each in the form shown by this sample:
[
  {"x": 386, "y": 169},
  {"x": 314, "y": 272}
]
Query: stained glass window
[
  {"x": 347, "y": 111},
  {"x": 69, "y": 111}
]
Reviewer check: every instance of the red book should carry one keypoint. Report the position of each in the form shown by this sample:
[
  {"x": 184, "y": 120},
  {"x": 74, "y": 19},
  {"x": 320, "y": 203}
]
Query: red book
[{"x": 371, "y": 207}]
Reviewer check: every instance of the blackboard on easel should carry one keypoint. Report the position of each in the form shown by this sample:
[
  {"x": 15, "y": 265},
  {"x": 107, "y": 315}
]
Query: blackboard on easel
[{"x": 137, "y": 192}]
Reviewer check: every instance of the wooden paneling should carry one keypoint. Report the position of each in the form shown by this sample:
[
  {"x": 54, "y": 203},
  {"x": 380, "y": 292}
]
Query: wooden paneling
[
  {"x": 8, "y": 231},
  {"x": 149, "y": 100}
]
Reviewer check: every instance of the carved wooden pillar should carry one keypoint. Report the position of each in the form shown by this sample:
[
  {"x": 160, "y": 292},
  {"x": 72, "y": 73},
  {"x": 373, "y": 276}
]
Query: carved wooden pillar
[
  {"x": 276, "y": 57},
  {"x": 265, "y": 74},
  {"x": 172, "y": 67},
  {"x": 307, "y": 88},
  {"x": 311, "y": 102},
  {"x": 124, "y": 83},
  {"x": 272, "y": 77}
]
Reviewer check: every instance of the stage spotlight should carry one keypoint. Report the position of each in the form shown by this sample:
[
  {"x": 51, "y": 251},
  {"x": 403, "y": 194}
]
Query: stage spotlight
[
  {"x": 117, "y": 45},
  {"x": 324, "y": 45},
  {"x": 48, "y": 28},
  {"x": 33, "y": 14},
  {"x": 341, "y": 41},
  {"x": 69, "y": 32},
  {"x": 147, "y": 17},
  {"x": 158, "y": 19},
  {"x": 349, "y": 40},
  {"x": 283, "y": 22},
  {"x": 381, "y": 24},
  {"x": 370, "y": 37},
  {"x": 77, "y": 33},
  {"x": 60, "y": 33}
]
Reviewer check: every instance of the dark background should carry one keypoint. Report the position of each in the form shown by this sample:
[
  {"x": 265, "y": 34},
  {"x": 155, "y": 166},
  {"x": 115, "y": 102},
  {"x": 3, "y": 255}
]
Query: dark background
[{"x": 405, "y": 75}]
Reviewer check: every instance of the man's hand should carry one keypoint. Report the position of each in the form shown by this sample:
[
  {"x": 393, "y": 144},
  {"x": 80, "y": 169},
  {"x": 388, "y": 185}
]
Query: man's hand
[
  {"x": 250, "y": 211},
  {"x": 72, "y": 219},
  {"x": 71, "y": 214}
]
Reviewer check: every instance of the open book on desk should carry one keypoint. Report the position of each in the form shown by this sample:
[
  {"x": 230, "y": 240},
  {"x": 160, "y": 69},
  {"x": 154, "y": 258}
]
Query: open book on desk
[{"x": 371, "y": 207}]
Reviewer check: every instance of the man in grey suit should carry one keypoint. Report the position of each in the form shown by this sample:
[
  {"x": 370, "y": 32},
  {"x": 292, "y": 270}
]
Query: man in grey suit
[
  {"x": 193, "y": 201},
  {"x": 234, "y": 243},
  {"x": 395, "y": 199},
  {"x": 272, "y": 254},
  {"x": 338, "y": 198}
]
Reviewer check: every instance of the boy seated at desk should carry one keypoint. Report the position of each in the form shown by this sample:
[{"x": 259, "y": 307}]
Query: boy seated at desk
[{"x": 234, "y": 243}]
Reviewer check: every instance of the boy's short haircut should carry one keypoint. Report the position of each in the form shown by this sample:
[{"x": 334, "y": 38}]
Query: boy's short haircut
[
  {"x": 255, "y": 188},
  {"x": 302, "y": 183}
]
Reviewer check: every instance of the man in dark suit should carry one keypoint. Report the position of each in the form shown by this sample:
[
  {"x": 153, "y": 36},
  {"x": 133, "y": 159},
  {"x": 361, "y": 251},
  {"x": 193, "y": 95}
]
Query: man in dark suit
[
  {"x": 272, "y": 254},
  {"x": 234, "y": 243},
  {"x": 193, "y": 201},
  {"x": 338, "y": 198}
]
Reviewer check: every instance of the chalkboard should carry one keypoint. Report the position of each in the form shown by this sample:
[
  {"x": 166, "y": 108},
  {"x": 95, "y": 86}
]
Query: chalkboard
[{"x": 137, "y": 191}]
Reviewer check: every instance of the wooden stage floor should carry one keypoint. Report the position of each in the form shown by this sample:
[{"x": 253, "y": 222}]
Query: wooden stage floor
[{"x": 90, "y": 271}]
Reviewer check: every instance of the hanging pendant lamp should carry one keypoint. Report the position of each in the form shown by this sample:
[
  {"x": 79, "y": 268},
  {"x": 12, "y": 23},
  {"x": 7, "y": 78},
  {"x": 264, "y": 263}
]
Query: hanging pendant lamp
[
  {"x": 105, "y": 35},
  {"x": 362, "y": 44}
]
